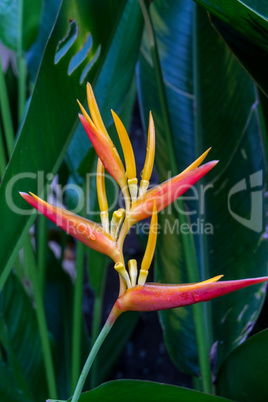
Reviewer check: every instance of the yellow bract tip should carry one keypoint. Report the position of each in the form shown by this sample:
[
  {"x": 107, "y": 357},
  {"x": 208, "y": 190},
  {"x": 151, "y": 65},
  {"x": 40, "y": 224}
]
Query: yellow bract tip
[
  {"x": 149, "y": 160},
  {"x": 95, "y": 113},
  {"x": 149, "y": 252},
  {"x": 198, "y": 161},
  {"x": 85, "y": 114},
  {"x": 126, "y": 147},
  {"x": 214, "y": 279}
]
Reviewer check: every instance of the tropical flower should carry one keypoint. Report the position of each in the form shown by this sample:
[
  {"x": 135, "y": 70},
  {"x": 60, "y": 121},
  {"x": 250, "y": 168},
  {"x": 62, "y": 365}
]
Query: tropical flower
[{"x": 140, "y": 203}]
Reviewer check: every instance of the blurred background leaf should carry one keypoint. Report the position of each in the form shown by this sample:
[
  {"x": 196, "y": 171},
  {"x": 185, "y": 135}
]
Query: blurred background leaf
[
  {"x": 248, "y": 17},
  {"x": 242, "y": 375},
  {"x": 20, "y": 341},
  {"x": 211, "y": 102},
  {"x": 11, "y": 11}
]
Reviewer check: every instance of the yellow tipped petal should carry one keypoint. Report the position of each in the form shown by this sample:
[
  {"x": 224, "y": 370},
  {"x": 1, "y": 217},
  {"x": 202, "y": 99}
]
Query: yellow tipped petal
[
  {"x": 132, "y": 268},
  {"x": 94, "y": 111},
  {"x": 149, "y": 252},
  {"x": 126, "y": 147},
  {"x": 198, "y": 161},
  {"x": 214, "y": 279},
  {"x": 116, "y": 222},
  {"x": 119, "y": 267},
  {"x": 85, "y": 114},
  {"x": 102, "y": 198},
  {"x": 149, "y": 160}
]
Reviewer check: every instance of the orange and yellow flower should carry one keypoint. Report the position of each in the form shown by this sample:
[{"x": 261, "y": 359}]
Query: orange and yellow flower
[{"x": 140, "y": 203}]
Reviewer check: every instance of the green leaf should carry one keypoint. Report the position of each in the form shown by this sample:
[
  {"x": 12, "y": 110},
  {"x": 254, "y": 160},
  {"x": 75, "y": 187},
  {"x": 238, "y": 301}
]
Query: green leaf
[
  {"x": 51, "y": 118},
  {"x": 8, "y": 390},
  {"x": 10, "y": 13},
  {"x": 35, "y": 53},
  {"x": 252, "y": 57},
  {"x": 113, "y": 88},
  {"x": 140, "y": 391},
  {"x": 212, "y": 102},
  {"x": 242, "y": 377},
  {"x": 21, "y": 341},
  {"x": 248, "y": 17}
]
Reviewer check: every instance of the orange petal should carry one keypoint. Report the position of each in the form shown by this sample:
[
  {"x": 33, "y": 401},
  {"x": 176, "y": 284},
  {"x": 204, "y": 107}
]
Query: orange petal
[
  {"x": 154, "y": 297},
  {"x": 167, "y": 192},
  {"x": 84, "y": 230},
  {"x": 106, "y": 152}
]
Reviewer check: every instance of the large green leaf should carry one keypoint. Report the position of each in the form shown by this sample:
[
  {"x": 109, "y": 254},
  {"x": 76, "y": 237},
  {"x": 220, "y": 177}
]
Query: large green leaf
[
  {"x": 52, "y": 114},
  {"x": 11, "y": 12},
  {"x": 252, "y": 57},
  {"x": 21, "y": 341},
  {"x": 212, "y": 102},
  {"x": 140, "y": 391},
  {"x": 243, "y": 375},
  {"x": 249, "y": 17},
  {"x": 113, "y": 88}
]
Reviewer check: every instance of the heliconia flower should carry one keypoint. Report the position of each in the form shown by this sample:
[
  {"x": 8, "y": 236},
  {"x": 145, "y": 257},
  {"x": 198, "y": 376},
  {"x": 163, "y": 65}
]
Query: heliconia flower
[
  {"x": 154, "y": 297},
  {"x": 108, "y": 238},
  {"x": 84, "y": 230}
]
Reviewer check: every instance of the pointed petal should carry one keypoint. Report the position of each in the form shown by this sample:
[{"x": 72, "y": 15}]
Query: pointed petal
[
  {"x": 106, "y": 152},
  {"x": 85, "y": 114},
  {"x": 84, "y": 230},
  {"x": 198, "y": 161},
  {"x": 95, "y": 113},
  {"x": 167, "y": 192},
  {"x": 126, "y": 147},
  {"x": 154, "y": 297},
  {"x": 150, "y": 151}
]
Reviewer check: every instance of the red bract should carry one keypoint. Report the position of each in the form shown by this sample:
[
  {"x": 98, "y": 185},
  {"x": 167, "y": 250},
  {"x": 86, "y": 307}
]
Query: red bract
[
  {"x": 84, "y": 230},
  {"x": 154, "y": 297},
  {"x": 166, "y": 193}
]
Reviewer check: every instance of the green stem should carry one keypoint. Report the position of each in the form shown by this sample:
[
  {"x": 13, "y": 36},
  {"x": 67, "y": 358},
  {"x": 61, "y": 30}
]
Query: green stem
[
  {"x": 96, "y": 323},
  {"x": 187, "y": 239},
  {"x": 77, "y": 315},
  {"x": 6, "y": 113},
  {"x": 29, "y": 261},
  {"x": 99, "y": 341},
  {"x": 21, "y": 64}
]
